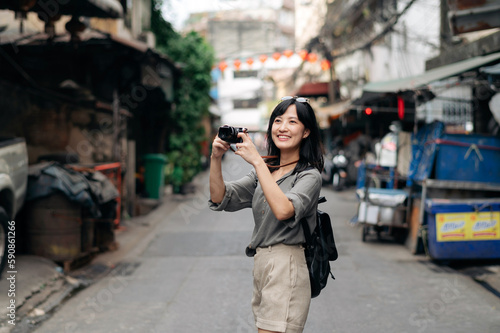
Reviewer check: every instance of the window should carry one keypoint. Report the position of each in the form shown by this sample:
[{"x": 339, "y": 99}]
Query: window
[
  {"x": 246, "y": 103},
  {"x": 244, "y": 74}
]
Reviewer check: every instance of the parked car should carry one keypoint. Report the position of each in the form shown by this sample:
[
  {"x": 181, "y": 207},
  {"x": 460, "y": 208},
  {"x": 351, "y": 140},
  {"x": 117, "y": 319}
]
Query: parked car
[{"x": 13, "y": 184}]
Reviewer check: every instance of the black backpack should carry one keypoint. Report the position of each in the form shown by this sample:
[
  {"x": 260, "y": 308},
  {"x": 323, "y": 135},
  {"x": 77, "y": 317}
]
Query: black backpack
[{"x": 320, "y": 249}]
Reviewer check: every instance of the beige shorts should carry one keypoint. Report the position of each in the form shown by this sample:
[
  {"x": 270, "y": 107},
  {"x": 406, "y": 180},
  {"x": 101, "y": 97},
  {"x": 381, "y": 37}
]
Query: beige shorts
[{"x": 282, "y": 292}]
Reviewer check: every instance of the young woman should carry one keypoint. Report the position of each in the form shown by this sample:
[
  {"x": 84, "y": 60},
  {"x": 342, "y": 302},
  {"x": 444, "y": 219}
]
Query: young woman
[{"x": 281, "y": 190}]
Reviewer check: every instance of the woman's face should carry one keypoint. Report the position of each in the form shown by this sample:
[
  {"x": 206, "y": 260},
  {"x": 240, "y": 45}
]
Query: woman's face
[{"x": 288, "y": 131}]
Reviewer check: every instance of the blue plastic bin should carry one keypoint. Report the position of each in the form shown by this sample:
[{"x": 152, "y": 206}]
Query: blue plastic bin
[
  {"x": 473, "y": 158},
  {"x": 463, "y": 229}
]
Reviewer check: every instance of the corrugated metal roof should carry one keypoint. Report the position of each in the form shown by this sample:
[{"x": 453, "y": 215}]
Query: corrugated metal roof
[{"x": 87, "y": 8}]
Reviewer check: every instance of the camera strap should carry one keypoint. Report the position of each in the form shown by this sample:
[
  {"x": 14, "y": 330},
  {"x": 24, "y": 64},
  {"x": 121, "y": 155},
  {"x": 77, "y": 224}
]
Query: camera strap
[
  {"x": 272, "y": 156},
  {"x": 278, "y": 166}
]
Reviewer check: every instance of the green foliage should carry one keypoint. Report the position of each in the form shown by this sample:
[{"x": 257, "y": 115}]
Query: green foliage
[{"x": 191, "y": 96}]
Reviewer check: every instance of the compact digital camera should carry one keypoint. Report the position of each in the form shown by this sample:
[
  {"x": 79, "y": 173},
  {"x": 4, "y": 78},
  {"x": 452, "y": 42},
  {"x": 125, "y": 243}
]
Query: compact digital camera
[{"x": 230, "y": 133}]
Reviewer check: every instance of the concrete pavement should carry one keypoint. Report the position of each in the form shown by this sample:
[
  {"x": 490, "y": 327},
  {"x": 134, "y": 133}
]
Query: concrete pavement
[{"x": 41, "y": 286}]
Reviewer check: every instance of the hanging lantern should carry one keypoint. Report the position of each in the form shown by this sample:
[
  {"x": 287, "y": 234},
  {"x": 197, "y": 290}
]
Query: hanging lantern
[
  {"x": 401, "y": 108},
  {"x": 312, "y": 57},
  {"x": 237, "y": 64},
  {"x": 24, "y": 5},
  {"x": 263, "y": 58},
  {"x": 325, "y": 65},
  {"x": 303, "y": 54},
  {"x": 222, "y": 66},
  {"x": 288, "y": 53},
  {"x": 276, "y": 56},
  {"x": 250, "y": 61}
]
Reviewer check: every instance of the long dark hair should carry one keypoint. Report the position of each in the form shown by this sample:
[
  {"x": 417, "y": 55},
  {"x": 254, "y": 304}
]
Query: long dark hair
[{"x": 311, "y": 149}]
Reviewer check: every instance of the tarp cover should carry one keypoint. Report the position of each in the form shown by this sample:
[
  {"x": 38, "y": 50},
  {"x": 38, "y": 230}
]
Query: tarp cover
[
  {"x": 424, "y": 151},
  {"x": 91, "y": 190}
]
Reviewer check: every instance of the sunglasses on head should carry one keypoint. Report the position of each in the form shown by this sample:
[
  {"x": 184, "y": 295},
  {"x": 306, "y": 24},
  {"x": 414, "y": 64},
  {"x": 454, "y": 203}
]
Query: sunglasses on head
[{"x": 298, "y": 99}]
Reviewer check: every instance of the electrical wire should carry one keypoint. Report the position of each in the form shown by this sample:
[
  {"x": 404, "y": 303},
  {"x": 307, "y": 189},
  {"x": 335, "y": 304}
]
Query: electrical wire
[{"x": 363, "y": 44}]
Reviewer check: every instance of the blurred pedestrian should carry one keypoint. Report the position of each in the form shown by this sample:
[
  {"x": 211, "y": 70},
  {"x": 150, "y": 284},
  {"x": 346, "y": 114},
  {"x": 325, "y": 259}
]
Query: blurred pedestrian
[{"x": 282, "y": 189}]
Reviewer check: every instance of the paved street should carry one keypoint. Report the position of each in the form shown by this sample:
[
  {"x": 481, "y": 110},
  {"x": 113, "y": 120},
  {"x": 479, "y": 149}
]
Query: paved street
[{"x": 191, "y": 275}]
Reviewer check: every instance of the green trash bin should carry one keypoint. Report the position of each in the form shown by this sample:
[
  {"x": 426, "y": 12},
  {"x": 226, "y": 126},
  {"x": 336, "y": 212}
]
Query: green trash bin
[{"x": 154, "y": 174}]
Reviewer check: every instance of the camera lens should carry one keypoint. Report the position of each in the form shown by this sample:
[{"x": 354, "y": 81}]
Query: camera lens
[{"x": 228, "y": 134}]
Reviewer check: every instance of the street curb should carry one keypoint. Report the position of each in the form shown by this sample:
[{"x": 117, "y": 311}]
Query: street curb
[
  {"x": 41, "y": 311},
  {"x": 35, "y": 279}
]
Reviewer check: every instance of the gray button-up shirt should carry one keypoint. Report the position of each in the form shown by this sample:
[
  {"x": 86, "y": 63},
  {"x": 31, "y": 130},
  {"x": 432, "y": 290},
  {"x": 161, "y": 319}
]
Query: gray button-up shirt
[{"x": 302, "y": 190}]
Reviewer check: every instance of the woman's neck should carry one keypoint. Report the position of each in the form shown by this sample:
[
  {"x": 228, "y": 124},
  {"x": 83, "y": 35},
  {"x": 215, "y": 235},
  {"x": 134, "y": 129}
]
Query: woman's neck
[
  {"x": 288, "y": 160},
  {"x": 289, "y": 156}
]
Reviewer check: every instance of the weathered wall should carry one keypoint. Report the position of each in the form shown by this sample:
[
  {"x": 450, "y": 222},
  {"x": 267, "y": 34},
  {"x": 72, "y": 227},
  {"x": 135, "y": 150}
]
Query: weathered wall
[{"x": 52, "y": 127}]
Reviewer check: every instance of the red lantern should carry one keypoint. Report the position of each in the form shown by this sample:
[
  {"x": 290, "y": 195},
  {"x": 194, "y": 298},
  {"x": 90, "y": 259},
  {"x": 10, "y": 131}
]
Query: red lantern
[
  {"x": 401, "y": 108},
  {"x": 222, "y": 66},
  {"x": 368, "y": 111},
  {"x": 263, "y": 58},
  {"x": 249, "y": 61},
  {"x": 303, "y": 54},
  {"x": 276, "y": 56},
  {"x": 288, "y": 53},
  {"x": 237, "y": 64},
  {"x": 325, "y": 65},
  {"x": 312, "y": 57}
]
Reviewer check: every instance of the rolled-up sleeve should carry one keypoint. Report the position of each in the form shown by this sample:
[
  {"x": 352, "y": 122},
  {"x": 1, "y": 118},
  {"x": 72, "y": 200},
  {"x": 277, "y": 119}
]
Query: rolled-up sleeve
[
  {"x": 304, "y": 196},
  {"x": 238, "y": 194}
]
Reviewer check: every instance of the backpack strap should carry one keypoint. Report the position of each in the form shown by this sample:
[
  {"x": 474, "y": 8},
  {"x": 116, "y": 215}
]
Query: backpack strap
[
  {"x": 303, "y": 221},
  {"x": 307, "y": 231}
]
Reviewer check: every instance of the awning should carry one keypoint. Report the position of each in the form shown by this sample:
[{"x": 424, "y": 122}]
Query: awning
[
  {"x": 86, "y": 37},
  {"x": 87, "y": 8},
  {"x": 37, "y": 55},
  {"x": 420, "y": 81},
  {"x": 492, "y": 70},
  {"x": 311, "y": 89},
  {"x": 330, "y": 112},
  {"x": 91, "y": 37}
]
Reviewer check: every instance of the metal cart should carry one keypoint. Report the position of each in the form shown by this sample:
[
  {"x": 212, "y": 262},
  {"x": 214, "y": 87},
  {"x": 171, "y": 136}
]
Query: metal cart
[{"x": 383, "y": 210}]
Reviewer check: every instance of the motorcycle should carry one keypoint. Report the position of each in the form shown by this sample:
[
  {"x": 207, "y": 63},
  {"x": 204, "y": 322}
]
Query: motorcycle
[
  {"x": 339, "y": 170},
  {"x": 326, "y": 174},
  {"x": 335, "y": 170}
]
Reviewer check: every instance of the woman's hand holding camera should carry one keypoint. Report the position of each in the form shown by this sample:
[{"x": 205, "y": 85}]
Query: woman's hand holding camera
[
  {"x": 244, "y": 146},
  {"x": 219, "y": 147},
  {"x": 247, "y": 150}
]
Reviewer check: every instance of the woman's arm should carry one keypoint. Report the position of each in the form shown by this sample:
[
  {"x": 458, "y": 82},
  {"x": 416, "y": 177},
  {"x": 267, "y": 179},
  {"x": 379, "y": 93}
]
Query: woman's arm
[
  {"x": 217, "y": 187},
  {"x": 281, "y": 207},
  {"x": 304, "y": 194}
]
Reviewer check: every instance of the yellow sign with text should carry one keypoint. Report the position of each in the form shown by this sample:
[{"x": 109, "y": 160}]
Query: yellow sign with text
[{"x": 467, "y": 226}]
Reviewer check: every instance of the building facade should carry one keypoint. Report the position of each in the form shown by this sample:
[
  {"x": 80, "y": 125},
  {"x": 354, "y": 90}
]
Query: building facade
[
  {"x": 248, "y": 41},
  {"x": 86, "y": 82}
]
